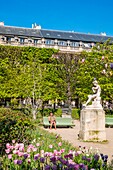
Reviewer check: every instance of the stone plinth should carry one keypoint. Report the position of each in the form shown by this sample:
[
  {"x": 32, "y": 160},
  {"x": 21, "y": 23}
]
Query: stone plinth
[{"x": 92, "y": 124}]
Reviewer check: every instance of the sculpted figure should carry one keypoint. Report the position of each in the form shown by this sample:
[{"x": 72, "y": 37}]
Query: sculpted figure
[{"x": 97, "y": 91}]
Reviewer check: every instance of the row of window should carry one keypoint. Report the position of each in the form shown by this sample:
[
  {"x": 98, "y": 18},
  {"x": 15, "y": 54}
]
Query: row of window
[{"x": 48, "y": 42}]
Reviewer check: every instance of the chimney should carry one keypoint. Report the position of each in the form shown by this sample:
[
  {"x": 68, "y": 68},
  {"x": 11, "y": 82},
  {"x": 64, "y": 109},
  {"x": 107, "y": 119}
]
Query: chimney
[
  {"x": 1, "y": 23},
  {"x": 103, "y": 33},
  {"x": 35, "y": 26}
]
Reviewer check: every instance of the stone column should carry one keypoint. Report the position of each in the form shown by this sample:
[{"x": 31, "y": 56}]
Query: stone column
[{"x": 92, "y": 124}]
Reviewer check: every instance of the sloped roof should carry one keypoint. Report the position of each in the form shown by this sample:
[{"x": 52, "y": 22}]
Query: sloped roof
[
  {"x": 53, "y": 34},
  {"x": 74, "y": 36},
  {"x": 27, "y": 32}
]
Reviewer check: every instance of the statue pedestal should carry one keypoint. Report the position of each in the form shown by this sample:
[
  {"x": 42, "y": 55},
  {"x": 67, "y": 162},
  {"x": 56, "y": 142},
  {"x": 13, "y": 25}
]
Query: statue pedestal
[{"x": 92, "y": 123}]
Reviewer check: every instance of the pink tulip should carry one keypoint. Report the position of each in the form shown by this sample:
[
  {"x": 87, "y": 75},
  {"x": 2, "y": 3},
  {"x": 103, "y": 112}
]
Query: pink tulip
[
  {"x": 71, "y": 161},
  {"x": 9, "y": 156},
  {"x": 55, "y": 152},
  {"x": 62, "y": 150},
  {"x": 50, "y": 154},
  {"x": 15, "y": 151},
  {"x": 71, "y": 151},
  {"x": 11, "y": 147},
  {"x": 59, "y": 153},
  {"x": 13, "y": 141},
  {"x": 38, "y": 144},
  {"x": 34, "y": 149},
  {"x": 17, "y": 146},
  {"x": 103, "y": 57},
  {"x": 79, "y": 152},
  {"x": 50, "y": 146},
  {"x": 21, "y": 148},
  {"x": 28, "y": 150},
  {"x": 83, "y": 60},
  {"x": 21, "y": 145},
  {"x": 15, "y": 161},
  {"x": 59, "y": 144},
  {"x": 106, "y": 65},
  {"x": 30, "y": 146},
  {"x": 20, "y": 153},
  {"x": 7, "y": 150},
  {"x": 8, "y": 146}
]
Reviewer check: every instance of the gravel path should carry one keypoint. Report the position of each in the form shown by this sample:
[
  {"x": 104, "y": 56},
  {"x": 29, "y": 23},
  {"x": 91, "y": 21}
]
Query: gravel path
[{"x": 71, "y": 135}]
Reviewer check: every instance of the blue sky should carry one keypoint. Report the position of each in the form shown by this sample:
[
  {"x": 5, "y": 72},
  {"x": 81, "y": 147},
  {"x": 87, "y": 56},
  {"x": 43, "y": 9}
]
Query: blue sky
[{"x": 88, "y": 16}]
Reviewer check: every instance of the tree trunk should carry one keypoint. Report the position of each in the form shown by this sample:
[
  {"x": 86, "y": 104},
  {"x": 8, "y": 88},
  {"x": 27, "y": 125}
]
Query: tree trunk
[
  {"x": 34, "y": 111},
  {"x": 69, "y": 94}
]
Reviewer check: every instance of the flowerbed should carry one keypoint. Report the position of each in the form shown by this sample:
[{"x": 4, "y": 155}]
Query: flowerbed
[
  {"x": 33, "y": 157},
  {"x": 14, "y": 125}
]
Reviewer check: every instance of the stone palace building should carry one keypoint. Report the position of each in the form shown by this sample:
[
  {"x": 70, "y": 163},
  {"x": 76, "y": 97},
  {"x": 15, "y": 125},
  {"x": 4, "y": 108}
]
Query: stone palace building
[{"x": 65, "y": 41}]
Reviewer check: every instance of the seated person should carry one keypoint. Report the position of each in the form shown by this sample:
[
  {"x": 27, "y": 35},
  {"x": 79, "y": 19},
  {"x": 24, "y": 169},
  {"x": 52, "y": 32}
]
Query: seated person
[{"x": 52, "y": 120}]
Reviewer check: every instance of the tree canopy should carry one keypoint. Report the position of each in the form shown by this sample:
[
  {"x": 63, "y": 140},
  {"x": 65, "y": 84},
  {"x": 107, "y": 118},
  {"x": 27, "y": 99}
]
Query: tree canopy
[{"x": 48, "y": 74}]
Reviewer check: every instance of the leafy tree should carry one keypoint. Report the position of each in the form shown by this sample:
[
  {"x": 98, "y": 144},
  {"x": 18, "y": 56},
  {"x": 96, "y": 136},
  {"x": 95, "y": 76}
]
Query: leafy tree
[
  {"x": 23, "y": 71},
  {"x": 96, "y": 64},
  {"x": 67, "y": 66}
]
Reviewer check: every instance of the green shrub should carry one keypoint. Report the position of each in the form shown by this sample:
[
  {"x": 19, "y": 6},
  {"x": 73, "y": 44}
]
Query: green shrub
[
  {"x": 75, "y": 113},
  {"x": 47, "y": 111},
  {"x": 58, "y": 112},
  {"x": 108, "y": 112},
  {"x": 13, "y": 125}
]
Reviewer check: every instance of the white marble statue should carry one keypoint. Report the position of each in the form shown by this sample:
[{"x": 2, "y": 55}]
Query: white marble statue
[{"x": 95, "y": 98}]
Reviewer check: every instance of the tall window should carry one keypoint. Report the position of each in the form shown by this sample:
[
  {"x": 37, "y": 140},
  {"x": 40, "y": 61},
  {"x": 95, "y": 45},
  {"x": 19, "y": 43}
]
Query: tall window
[
  {"x": 8, "y": 39},
  {"x": 49, "y": 42},
  {"x": 37, "y": 41},
  {"x": 22, "y": 40},
  {"x": 74, "y": 44},
  {"x": 62, "y": 43}
]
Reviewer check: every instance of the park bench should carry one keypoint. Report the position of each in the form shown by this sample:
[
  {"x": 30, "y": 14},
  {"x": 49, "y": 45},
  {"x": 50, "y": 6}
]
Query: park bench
[
  {"x": 109, "y": 121},
  {"x": 60, "y": 122}
]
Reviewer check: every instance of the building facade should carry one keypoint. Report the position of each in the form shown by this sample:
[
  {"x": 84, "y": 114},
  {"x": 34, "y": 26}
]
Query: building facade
[{"x": 66, "y": 41}]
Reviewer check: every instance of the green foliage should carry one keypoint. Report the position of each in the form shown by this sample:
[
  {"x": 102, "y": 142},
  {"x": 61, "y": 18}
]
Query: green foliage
[
  {"x": 96, "y": 64},
  {"x": 58, "y": 112},
  {"x": 23, "y": 72},
  {"x": 47, "y": 111},
  {"x": 75, "y": 113},
  {"x": 67, "y": 66},
  {"x": 45, "y": 139},
  {"x": 45, "y": 74},
  {"x": 109, "y": 112},
  {"x": 13, "y": 125}
]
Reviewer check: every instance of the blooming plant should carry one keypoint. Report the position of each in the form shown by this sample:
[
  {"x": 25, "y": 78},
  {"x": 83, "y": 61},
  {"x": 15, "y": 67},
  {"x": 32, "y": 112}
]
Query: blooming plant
[{"x": 33, "y": 157}]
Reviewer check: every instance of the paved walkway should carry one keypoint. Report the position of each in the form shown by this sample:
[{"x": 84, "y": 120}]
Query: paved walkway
[{"x": 71, "y": 135}]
